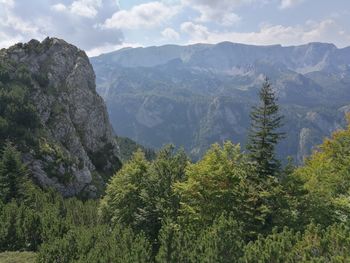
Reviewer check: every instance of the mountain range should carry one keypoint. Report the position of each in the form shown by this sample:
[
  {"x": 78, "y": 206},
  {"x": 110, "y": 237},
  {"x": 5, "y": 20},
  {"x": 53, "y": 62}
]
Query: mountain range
[{"x": 196, "y": 95}]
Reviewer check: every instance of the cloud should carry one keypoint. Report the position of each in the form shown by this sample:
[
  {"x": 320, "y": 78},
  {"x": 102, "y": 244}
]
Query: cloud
[
  {"x": 221, "y": 12},
  {"x": 198, "y": 33},
  {"x": 7, "y": 2},
  {"x": 59, "y": 7},
  {"x": 170, "y": 34},
  {"x": 324, "y": 31},
  {"x": 289, "y": 3},
  {"x": 147, "y": 15},
  {"x": 6, "y": 40},
  {"x": 75, "y": 21},
  {"x": 109, "y": 48},
  {"x": 85, "y": 8}
]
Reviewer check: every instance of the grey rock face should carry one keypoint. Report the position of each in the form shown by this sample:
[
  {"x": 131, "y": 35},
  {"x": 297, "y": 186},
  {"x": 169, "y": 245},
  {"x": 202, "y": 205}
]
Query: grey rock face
[{"x": 75, "y": 121}]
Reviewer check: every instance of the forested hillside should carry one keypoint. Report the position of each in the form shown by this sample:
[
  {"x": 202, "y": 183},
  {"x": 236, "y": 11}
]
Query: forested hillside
[
  {"x": 172, "y": 210},
  {"x": 229, "y": 206}
]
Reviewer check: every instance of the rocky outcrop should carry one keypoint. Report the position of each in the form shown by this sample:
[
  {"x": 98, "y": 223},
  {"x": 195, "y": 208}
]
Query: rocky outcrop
[{"x": 76, "y": 148}]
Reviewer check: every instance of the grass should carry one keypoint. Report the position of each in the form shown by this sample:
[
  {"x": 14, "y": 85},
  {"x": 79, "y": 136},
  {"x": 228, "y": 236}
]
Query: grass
[{"x": 17, "y": 257}]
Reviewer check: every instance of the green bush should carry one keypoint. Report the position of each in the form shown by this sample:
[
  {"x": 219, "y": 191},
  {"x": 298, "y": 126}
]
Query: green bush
[{"x": 97, "y": 244}]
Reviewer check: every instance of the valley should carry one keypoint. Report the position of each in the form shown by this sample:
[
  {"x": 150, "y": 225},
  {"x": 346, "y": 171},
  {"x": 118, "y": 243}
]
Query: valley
[{"x": 193, "y": 96}]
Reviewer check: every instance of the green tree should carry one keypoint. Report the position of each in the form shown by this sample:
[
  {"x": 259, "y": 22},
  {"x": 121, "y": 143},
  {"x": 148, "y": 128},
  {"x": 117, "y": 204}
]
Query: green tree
[
  {"x": 177, "y": 242},
  {"x": 264, "y": 134},
  {"x": 167, "y": 170},
  {"x": 325, "y": 179},
  {"x": 9, "y": 239},
  {"x": 159, "y": 196},
  {"x": 215, "y": 184},
  {"x": 141, "y": 194},
  {"x": 220, "y": 242},
  {"x": 315, "y": 244},
  {"x": 12, "y": 174},
  {"x": 98, "y": 244},
  {"x": 124, "y": 202},
  {"x": 273, "y": 248},
  {"x": 226, "y": 181}
]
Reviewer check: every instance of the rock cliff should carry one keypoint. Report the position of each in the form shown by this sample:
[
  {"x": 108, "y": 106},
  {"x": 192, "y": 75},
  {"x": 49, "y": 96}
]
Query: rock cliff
[{"x": 74, "y": 150}]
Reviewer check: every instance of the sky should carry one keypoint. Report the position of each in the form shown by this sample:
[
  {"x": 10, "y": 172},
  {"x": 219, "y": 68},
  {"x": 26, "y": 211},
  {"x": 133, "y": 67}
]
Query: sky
[{"x": 100, "y": 26}]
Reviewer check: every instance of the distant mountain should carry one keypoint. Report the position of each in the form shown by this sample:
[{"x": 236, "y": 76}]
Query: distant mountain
[
  {"x": 196, "y": 95},
  {"x": 50, "y": 110}
]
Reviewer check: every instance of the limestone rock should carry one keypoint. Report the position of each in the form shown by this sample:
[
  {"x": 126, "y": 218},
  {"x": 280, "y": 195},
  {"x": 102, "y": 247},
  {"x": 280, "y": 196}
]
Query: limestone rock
[{"x": 77, "y": 145}]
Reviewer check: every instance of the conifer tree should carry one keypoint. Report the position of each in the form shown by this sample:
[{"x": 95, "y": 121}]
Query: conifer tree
[
  {"x": 264, "y": 132},
  {"x": 12, "y": 174}
]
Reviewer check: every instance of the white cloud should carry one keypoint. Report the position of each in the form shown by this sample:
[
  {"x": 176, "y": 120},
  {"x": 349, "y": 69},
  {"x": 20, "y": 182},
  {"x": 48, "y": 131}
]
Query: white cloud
[
  {"x": 16, "y": 23},
  {"x": 170, "y": 34},
  {"x": 325, "y": 31},
  {"x": 59, "y": 7},
  {"x": 230, "y": 19},
  {"x": 221, "y": 12},
  {"x": 109, "y": 48},
  {"x": 23, "y": 20},
  {"x": 198, "y": 33},
  {"x": 6, "y": 40},
  {"x": 289, "y": 3},
  {"x": 7, "y": 2},
  {"x": 85, "y": 8},
  {"x": 146, "y": 15}
]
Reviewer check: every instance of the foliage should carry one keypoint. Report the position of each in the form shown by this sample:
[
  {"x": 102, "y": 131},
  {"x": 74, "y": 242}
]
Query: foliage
[
  {"x": 17, "y": 257},
  {"x": 18, "y": 117},
  {"x": 165, "y": 171},
  {"x": 325, "y": 178},
  {"x": 128, "y": 147},
  {"x": 314, "y": 245},
  {"x": 30, "y": 216},
  {"x": 263, "y": 135},
  {"x": 172, "y": 210},
  {"x": 97, "y": 244},
  {"x": 221, "y": 242},
  {"x": 12, "y": 174},
  {"x": 226, "y": 181},
  {"x": 105, "y": 160},
  {"x": 141, "y": 194},
  {"x": 124, "y": 194}
]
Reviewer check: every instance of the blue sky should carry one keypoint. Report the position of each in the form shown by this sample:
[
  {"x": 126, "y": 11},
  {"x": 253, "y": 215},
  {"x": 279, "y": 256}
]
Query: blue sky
[{"x": 99, "y": 26}]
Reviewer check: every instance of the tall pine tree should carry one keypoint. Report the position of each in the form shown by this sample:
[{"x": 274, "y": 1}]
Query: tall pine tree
[
  {"x": 264, "y": 132},
  {"x": 12, "y": 174}
]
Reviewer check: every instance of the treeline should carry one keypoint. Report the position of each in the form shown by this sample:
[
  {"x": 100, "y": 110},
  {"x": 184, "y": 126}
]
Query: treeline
[{"x": 231, "y": 206}]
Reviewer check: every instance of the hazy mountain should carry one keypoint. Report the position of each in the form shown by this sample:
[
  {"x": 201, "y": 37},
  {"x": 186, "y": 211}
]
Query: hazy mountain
[{"x": 200, "y": 94}]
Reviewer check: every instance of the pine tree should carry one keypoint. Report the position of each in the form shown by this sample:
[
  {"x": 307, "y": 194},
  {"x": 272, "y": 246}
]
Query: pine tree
[
  {"x": 12, "y": 174},
  {"x": 264, "y": 134}
]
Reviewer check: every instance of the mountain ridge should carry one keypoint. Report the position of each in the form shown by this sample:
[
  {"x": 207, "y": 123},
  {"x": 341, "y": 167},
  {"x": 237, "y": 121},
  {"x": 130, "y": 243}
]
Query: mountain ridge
[
  {"x": 182, "y": 51},
  {"x": 193, "y": 83}
]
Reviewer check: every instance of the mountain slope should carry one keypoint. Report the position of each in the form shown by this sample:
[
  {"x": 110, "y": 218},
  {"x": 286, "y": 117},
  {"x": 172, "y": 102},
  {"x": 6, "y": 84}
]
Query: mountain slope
[
  {"x": 66, "y": 140},
  {"x": 200, "y": 94}
]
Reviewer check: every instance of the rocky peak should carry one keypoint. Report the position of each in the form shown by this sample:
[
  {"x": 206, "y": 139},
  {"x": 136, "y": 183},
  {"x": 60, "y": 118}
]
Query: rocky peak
[{"x": 77, "y": 142}]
